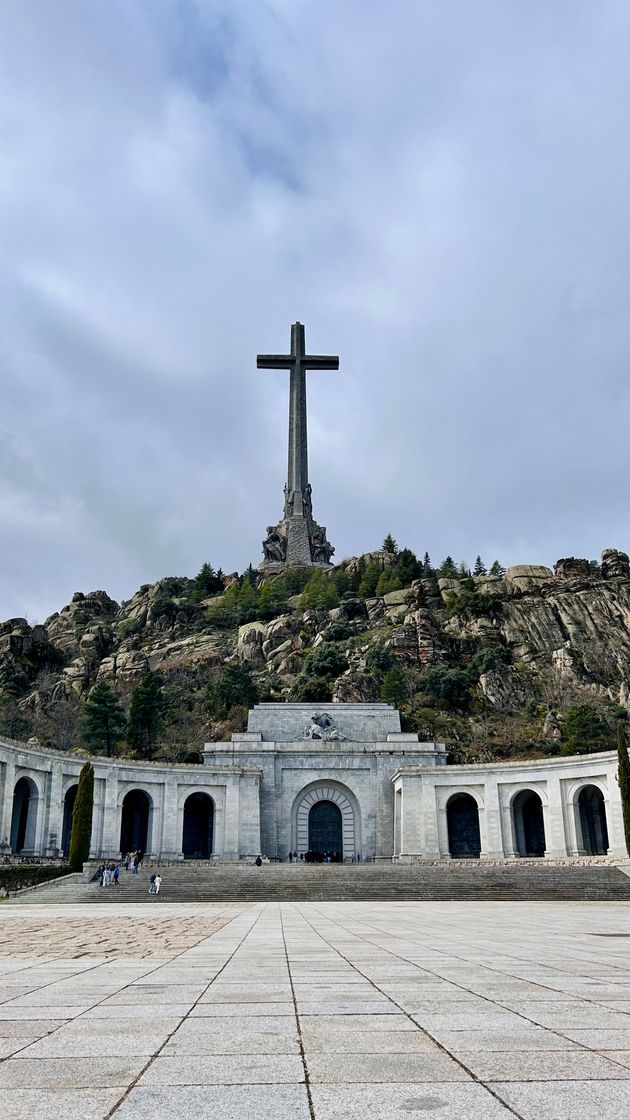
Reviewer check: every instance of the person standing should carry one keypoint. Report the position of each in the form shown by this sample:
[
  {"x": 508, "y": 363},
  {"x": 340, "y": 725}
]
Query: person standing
[{"x": 116, "y": 875}]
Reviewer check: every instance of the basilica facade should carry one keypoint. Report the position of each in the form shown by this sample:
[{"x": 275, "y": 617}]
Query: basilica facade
[{"x": 342, "y": 781}]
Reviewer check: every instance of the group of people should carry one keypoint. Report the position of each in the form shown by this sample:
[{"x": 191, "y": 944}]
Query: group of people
[
  {"x": 109, "y": 874},
  {"x": 309, "y": 857},
  {"x": 133, "y": 861}
]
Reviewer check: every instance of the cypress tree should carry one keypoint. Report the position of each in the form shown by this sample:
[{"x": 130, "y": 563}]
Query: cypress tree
[
  {"x": 623, "y": 777},
  {"x": 81, "y": 833}
]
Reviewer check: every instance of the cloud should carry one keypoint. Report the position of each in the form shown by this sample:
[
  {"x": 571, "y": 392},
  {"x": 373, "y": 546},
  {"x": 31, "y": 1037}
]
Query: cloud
[{"x": 438, "y": 192}]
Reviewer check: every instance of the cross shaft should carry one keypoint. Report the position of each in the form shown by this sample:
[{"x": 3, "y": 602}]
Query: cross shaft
[{"x": 297, "y": 362}]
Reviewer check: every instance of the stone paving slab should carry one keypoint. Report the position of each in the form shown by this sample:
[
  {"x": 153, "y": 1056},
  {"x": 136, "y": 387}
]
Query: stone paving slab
[{"x": 318, "y": 1011}]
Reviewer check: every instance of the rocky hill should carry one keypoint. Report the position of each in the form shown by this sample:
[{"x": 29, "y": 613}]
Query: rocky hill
[{"x": 529, "y": 661}]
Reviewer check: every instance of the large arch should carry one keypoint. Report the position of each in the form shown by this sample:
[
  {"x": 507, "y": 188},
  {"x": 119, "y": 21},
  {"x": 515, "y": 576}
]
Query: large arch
[
  {"x": 198, "y": 826},
  {"x": 345, "y": 802},
  {"x": 325, "y": 830},
  {"x": 24, "y": 816},
  {"x": 136, "y": 819},
  {"x": 529, "y": 823},
  {"x": 462, "y": 820},
  {"x": 591, "y": 816},
  {"x": 68, "y": 807}
]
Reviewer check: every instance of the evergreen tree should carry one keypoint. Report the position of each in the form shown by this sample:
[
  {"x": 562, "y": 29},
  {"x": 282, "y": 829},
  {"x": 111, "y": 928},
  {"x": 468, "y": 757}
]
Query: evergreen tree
[
  {"x": 584, "y": 731},
  {"x": 389, "y": 545},
  {"x": 623, "y": 777},
  {"x": 369, "y": 580},
  {"x": 426, "y": 565},
  {"x": 388, "y": 581},
  {"x": 207, "y": 582},
  {"x": 145, "y": 715},
  {"x": 448, "y": 568},
  {"x": 408, "y": 567},
  {"x": 394, "y": 687},
  {"x": 463, "y": 571},
  {"x": 81, "y": 829},
  {"x": 497, "y": 569},
  {"x": 232, "y": 687},
  {"x": 479, "y": 568},
  {"x": 104, "y": 721}
]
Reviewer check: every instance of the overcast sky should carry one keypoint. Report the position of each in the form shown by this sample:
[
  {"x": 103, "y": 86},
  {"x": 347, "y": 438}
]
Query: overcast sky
[{"x": 438, "y": 190}]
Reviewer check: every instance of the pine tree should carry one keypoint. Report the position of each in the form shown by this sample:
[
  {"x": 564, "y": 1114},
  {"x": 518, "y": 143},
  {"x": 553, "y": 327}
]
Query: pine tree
[
  {"x": 389, "y": 545},
  {"x": 207, "y": 582},
  {"x": 145, "y": 715},
  {"x": 81, "y": 828},
  {"x": 426, "y": 564},
  {"x": 394, "y": 687},
  {"x": 479, "y": 568},
  {"x": 623, "y": 777},
  {"x": 497, "y": 569},
  {"x": 104, "y": 720},
  {"x": 448, "y": 569}
]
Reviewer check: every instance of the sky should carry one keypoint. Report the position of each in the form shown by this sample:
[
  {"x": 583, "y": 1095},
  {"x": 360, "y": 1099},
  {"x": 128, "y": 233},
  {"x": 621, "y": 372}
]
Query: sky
[{"x": 438, "y": 191}]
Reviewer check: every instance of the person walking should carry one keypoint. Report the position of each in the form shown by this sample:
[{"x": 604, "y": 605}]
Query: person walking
[
  {"x": 116, "y": 875},
  {"x": 290, "y": 857},
  {"x": 158, "y": 883},
  {"x": 152, "y": 884}
]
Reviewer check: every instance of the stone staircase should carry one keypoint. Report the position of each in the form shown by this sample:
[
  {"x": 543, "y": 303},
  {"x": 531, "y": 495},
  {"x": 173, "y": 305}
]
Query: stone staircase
[{"x": 461, "y": 880}]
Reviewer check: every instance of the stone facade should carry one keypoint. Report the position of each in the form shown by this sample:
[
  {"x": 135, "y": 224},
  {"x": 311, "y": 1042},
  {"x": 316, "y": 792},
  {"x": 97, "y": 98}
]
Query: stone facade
[{"x": 393, "y": 796}]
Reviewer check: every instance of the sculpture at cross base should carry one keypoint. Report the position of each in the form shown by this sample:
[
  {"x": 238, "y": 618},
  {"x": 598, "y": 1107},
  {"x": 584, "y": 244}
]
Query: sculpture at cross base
[{"x": 297, "y": 539}]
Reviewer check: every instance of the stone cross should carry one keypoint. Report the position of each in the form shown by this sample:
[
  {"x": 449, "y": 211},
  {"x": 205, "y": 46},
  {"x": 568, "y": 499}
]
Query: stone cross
[{"x": 297, "y": 500}]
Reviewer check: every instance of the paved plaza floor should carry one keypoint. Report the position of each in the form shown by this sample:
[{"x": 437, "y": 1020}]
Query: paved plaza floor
[{"x": 315, "y": 1010}]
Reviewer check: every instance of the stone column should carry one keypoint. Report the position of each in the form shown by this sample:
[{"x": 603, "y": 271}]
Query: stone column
[
  {"x": 553, "y": 815},
  {"x": 249, "y": 815},
  {"x": 171, "y": 841},
  {"x": 6, "y": 806},
  {"x": 507, "y": 823},
  {"x": 231, "y": 820},
  {"x": 111, "y": 822},
  {"x": 492, "y": 841},
  {"x": 54, "y": 823},
  {"x": 614, "y": 817}
]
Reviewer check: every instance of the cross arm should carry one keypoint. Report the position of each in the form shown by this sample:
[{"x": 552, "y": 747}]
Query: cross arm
[
  {"x": 275, "y": 361},
  {"x": 321, "y": 361}
]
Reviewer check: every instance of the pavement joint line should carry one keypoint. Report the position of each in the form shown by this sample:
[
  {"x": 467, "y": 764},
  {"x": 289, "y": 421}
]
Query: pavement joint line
[
  {"x": 424, "y": 1030},
  {"x": 152, "y": 1058},
  {"x": 489, "y": 999},
  {"x": 309, "y": 1095}
]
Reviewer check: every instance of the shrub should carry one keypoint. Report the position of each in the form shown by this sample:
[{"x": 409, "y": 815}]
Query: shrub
[
  {"x": 394, "y": 688},
  {"x": 584, "y": 731},
  {"x": 450, "y": 688},
  {"x": 233, "y": 687}
]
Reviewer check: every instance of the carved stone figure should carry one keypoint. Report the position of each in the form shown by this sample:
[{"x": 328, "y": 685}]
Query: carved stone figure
[
  {"x": 322, "y": 727},
  {"x": 274, "y": 546},
  {"x": 321, "y": 549}
]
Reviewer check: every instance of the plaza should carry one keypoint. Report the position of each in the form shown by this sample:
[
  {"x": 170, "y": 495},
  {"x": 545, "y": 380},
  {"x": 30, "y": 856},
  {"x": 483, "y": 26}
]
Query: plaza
[{"x": 327, "y": 1010}]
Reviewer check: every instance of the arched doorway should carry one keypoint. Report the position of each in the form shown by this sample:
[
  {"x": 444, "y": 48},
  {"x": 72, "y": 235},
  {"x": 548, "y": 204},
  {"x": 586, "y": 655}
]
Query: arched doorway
[
  {"x": 68, "y": 807},
  {"x": 592, "y": 813},
  {"x": 462, "y": 818},
  {"x": 325, "y": 830},
  {"x": 24, "y": 816},
  {"x": 135, "y": 821},
  {"x": 198, "y": 826},
  {"x": 529, "y": 823}
]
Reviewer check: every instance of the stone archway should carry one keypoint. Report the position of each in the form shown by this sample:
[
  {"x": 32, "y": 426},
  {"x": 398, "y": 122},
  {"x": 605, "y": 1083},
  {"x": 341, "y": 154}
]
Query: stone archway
[
  {"x": 68, "y": 807},
  {"x": 135, "y": 821},
  {"x": 462, "y": 819},
  {"x": 340, "y": 800},
  {"x": 529, "y": 823},
  {"x": 198, "y": 826},
  {"x": 592, "y": 817},
  {"x": 24, "y": 816}
]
